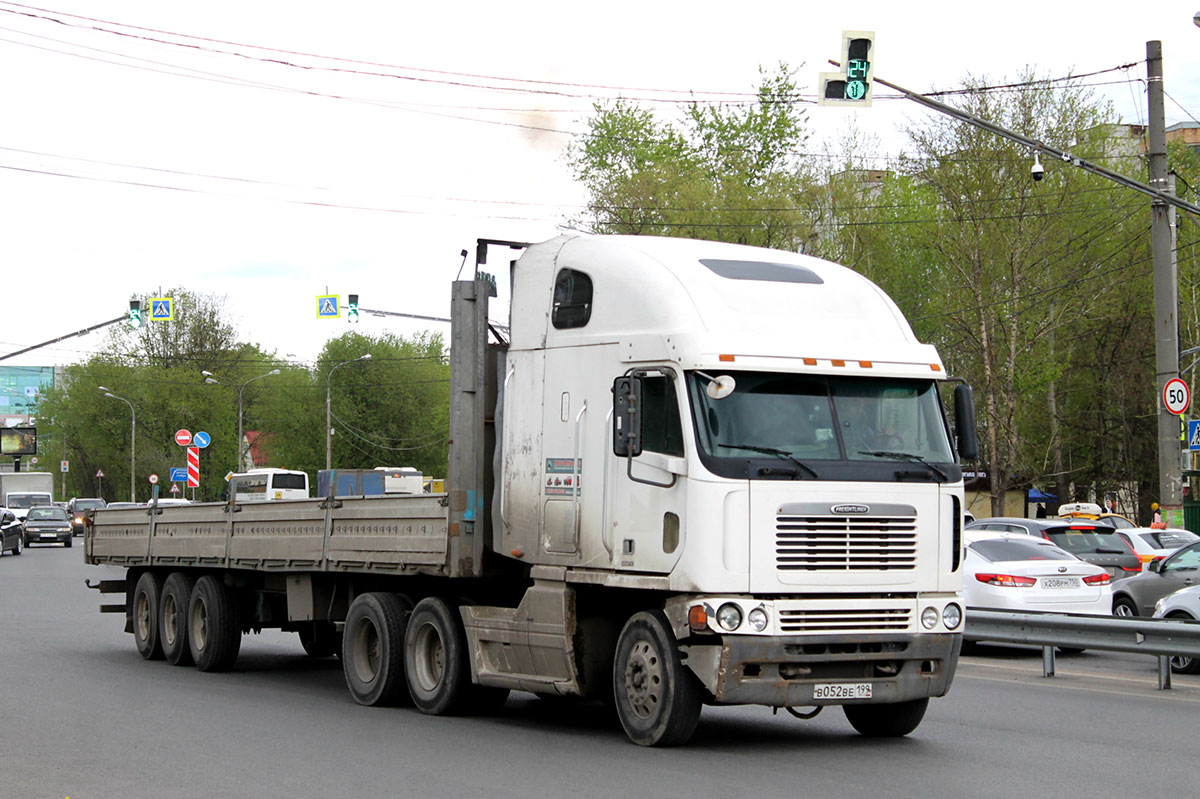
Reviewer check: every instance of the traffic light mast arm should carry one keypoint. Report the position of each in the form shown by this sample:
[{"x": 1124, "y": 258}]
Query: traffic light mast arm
[
  {"x": 405, "y": 315},
  {"x": 1038, "y": 146},
  {"x": 83, "y": 332}
]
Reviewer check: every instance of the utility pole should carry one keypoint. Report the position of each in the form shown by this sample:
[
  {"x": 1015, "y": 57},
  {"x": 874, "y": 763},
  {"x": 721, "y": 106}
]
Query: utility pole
[{"x": 1166, "y": 294}]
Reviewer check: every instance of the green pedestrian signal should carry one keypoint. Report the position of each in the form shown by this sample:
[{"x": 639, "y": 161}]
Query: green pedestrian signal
[
  {"x": 352, "y": 309},
  {"x": 135, "y": 313}
]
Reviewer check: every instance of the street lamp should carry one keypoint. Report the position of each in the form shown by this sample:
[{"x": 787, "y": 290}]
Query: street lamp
[
  {"x": 208, "y": 378},
  {"x": 328, "y": 411},
  {"x": 132, "y": 436}
]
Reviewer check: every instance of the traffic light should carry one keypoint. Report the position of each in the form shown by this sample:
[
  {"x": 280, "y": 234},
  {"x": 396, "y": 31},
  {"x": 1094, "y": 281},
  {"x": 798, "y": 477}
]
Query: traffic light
[
  {"x": 135, "y": 313},
  {"x": 352, "y": 309},
  {"x": 851, "y": 86}
]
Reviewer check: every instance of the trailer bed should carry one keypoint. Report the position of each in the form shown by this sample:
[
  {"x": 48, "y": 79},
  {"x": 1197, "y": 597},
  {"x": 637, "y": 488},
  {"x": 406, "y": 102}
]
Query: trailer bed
[{"x": 381, "y": 534}]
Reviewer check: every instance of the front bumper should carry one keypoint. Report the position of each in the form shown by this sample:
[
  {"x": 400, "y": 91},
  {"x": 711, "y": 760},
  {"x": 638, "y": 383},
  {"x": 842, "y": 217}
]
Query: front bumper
[
  {"x": 47, "y": 536},
  {"x": 780, "y": 671}
]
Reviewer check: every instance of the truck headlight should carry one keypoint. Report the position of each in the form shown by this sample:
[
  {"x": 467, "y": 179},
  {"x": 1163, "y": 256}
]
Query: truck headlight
[
  {"x": 729, "y": 616},
  {"x": 952, "y": 616},
  {"x": 757, "y": 619},
  {"x": 929, "y": 617}
]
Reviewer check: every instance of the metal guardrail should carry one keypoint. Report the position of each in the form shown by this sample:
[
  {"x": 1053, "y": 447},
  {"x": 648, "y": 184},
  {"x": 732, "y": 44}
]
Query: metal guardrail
[{"x": 1161, "y": 638}]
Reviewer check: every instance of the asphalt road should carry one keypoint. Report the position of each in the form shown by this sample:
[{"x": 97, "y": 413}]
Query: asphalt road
[{"x": 83, "y": 716}]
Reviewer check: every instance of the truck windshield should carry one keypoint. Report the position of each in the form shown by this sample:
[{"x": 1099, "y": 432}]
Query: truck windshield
[
  {"x": 815, "y": 419},
  {"x": 24, "y": 501}
]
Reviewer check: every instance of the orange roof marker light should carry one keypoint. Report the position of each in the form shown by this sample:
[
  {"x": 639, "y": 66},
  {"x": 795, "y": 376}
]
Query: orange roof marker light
[
  {"x": 725, "y": 358},
  {"x": 935, "y": 367}
]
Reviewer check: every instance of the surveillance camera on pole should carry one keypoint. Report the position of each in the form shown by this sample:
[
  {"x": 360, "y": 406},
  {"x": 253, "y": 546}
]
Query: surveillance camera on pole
[{"x": 1038, "y": 170}]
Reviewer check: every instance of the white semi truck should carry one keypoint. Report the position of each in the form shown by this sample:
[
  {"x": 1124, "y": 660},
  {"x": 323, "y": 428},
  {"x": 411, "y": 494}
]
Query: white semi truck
[{"x": 687, "y": 473}]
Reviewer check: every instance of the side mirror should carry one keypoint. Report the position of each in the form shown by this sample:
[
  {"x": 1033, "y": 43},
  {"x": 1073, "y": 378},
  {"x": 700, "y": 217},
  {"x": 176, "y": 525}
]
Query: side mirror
[
  {"x": 1154, "y": 566},
  {"x": 8, "y": 517},
  {"x": 964, "y": 423},
  {"x": 627, "y": 417}
]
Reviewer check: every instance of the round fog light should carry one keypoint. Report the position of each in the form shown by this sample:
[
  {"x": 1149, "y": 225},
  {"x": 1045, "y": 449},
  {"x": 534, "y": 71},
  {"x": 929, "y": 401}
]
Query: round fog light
[
  {"x": 952, "y": 616},
  {"x": 757, "y": 619},
  {"x": 929, "y": 617},
  {"x": 729, "y": 616}
]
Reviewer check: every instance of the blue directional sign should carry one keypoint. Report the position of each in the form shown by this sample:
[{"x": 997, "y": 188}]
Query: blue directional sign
[
  {"x": 162, "y": 309},
  {"x": 201, "y": 440},
  {"x": 328, "y": 307},
  {"x": 1193, "y": 434},
  {"x": 178, "y": 474}
]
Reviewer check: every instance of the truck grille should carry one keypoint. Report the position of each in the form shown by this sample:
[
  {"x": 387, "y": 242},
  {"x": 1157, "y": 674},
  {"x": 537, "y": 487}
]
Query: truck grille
[
  {"x": 845, "y": 543},
  {"x": 841, "y": 620}
]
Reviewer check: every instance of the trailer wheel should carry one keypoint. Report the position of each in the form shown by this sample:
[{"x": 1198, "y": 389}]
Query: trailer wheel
[
  {"x": 373, "y": 648},
  {"x": 173, "y": 618},
  {"x": 145, "y": 616},
  {"x": 214, "y": 632},
  {"x": 657, "y": 699},
  {"x": 435, "y": 660},
  {"x": 320, "y": 639},
  {"x": 886, "y": 721}
]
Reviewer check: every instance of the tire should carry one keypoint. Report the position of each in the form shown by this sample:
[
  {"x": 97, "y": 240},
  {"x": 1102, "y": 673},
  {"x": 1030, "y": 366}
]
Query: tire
[
  {"x": 320, "y": 639},
  {"x": 436, "y": 667},
  {"x": 886, "y": 721},
  {"x": 1123, "y": 606},
  {"x": 18, "y": 547},
  {"x": 69, "y": 543},
  {"x": 173, "y": 619},
  {"x": 373, "y": 649},
  {"x": 144, "y": 612},
  {"x": 1181, "y": 664},
  {"x": 657, "y": 699},
  {"x": 214, "y": 632}
]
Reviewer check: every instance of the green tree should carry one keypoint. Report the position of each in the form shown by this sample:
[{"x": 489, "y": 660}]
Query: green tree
[
  {"x": 725, "y": 172},
  {"x": 390, "y": 410}
]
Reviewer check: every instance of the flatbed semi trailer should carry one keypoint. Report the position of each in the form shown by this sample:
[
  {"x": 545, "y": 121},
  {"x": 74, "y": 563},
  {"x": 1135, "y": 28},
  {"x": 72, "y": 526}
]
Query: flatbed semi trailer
[{"x": 691, "y": 473}]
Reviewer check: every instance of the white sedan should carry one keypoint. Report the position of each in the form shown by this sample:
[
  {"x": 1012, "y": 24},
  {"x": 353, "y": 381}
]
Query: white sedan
[
  {"x": 1151, "y": 544},
  {"x": 1183, "y": 605},
  {"x": 1018, "y": 572}
]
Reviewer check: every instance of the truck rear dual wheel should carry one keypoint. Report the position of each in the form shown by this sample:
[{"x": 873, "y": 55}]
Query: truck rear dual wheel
[
  {"x": 173, "y": 618},
  {"x": 373, "y": 648},
  {"x": 657, "y": 699},
  {"x": 214, "y": 631},
  {"x": 144, "y": 610},
  {"x": 435, "y": 658},
  {"x": 886, "y": 721}
]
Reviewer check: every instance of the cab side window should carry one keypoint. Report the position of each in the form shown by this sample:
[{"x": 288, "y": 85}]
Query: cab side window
[
  {"x": 572, "y": 299},
  {"x": 662, "y": 430}
]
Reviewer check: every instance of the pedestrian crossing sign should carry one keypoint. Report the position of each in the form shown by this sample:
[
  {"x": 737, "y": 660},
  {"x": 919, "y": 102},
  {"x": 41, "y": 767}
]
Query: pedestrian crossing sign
[
  {"x": 1193, "y": 434},
  {"x": 162, "y": 309},
  {"x": 328, "y": 307}
]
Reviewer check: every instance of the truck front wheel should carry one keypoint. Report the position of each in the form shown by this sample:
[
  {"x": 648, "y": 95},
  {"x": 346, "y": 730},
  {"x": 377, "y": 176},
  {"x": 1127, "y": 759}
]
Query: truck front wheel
[
  {"x": 145, "y": 616},
  {"x": 373, "y": 648},
  {"x": 886, "y": 721},
  {"x": 657, "y": 699},
  {"x": 214, "y": 633}
]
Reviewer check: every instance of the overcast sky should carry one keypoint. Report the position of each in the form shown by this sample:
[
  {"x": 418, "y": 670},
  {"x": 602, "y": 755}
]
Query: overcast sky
[{"x": 150, "y": 144}]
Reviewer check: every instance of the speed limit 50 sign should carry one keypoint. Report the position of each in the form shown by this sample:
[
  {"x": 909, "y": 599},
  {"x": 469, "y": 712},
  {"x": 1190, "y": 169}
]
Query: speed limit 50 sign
[{"x": 1176, "y": 396}]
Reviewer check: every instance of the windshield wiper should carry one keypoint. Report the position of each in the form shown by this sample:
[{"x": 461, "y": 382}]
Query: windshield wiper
[
  {"x": 906, "y": 456},
  {"x": 779, "y": 453}
]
